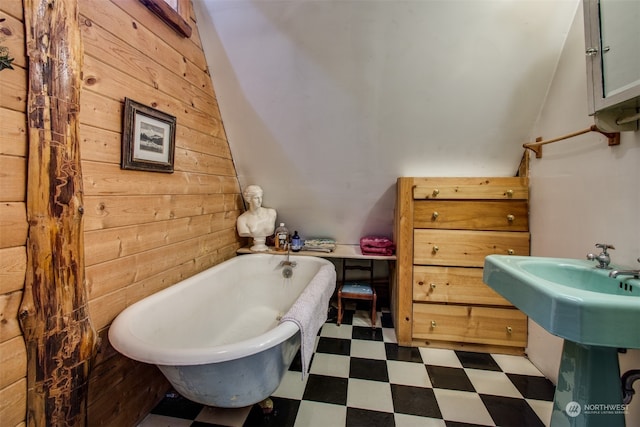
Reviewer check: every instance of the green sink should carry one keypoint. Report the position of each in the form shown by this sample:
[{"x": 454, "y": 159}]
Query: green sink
[
  {"x": 570, "y": 298},
  {"x": 594, "y": 313}
]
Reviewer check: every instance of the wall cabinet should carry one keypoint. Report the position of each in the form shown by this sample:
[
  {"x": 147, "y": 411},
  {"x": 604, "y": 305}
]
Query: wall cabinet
[
  {"x": 612, "y": 39},
  {"x": 444, "y": 228}
]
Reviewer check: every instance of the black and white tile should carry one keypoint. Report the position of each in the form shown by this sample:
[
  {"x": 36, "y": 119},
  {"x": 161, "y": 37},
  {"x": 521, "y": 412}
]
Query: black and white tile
[{"x": 360, "y": 377}]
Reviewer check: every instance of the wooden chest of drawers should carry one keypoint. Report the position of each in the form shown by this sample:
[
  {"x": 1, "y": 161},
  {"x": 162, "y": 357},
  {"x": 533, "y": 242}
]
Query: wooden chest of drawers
[{"x": 445, "y": 227}]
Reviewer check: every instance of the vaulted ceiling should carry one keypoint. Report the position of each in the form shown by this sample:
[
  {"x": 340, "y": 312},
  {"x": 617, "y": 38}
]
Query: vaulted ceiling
[{"x": 326, "y": 102}]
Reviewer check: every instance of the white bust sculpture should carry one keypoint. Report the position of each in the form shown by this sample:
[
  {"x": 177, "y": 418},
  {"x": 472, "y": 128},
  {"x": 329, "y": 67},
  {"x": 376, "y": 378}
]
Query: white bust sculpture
[{"x": 258, "y": 222}]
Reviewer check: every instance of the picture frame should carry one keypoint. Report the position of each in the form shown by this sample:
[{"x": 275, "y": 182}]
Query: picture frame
[
  {"x": 148, "y": 138},
  {"x": 175, "y": 13}
]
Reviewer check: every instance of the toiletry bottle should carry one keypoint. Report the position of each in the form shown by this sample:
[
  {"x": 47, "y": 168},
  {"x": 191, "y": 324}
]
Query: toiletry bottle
[
  {"x": 282, "y": 238},
  {"x": 296, "y": 242}
]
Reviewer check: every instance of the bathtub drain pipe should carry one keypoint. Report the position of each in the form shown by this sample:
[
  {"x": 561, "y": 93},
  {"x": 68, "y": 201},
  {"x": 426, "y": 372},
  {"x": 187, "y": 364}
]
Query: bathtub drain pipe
[{"x": 628, "y": 378}]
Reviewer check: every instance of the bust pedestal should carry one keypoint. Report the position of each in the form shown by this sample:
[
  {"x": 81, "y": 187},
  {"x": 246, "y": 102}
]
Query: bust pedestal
[{"x": 259, "y": 244}]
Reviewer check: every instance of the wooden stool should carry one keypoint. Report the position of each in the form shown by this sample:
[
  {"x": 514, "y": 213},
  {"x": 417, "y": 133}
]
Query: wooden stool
[{"x": 362, "y": 289}]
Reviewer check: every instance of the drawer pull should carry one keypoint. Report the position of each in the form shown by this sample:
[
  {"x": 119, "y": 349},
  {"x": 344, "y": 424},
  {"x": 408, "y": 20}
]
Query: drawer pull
[
  {"x": 420, "y": 283},
  {"x": 509, "y": 330},
  {"x": 435, "y": 215},
  {"x": 435, "y": 249},
  {"x": 509, "y": 193},
  {"x": 436, "y": 192},
  {"x": 511, "y": 218},
  {"x": 510, "y": 251},
  {"x": 433, "y": 286},
  {"x": 433, "y": 323}
]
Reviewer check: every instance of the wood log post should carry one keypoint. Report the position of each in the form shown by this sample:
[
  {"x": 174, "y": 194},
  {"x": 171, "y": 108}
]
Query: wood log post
[{"x": 54, "y": 315}]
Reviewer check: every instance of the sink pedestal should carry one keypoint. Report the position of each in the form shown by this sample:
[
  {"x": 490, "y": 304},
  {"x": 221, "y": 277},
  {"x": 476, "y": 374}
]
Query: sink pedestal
[
  {"x": 594, "y": 313},
  {"x": 589, "y": 391}
]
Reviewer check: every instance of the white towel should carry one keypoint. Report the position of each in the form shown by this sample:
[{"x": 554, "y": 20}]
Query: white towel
[{"x": 309, "y": 312}]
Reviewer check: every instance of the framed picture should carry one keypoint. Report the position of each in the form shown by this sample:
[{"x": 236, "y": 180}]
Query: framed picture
[
  {"x": 175, "y": 13},
  {"x": 148, "y": 138}
]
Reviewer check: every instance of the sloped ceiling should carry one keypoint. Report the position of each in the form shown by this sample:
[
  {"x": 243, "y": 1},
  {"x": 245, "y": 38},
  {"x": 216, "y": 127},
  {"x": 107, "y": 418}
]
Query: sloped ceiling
[{"x": 326, "y": 102}]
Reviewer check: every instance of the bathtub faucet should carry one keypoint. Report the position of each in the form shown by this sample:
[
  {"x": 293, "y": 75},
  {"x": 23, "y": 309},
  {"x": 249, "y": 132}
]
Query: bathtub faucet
[{"x": 287, "y": 265}]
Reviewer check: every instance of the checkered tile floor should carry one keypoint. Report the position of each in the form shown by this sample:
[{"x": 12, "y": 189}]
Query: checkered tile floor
[{"x": 360, "y": 377}]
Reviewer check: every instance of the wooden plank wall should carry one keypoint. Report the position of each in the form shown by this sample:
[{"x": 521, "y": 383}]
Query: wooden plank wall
[
  {"x": 13, "y": 219},
  {"x": 143, "y": 231}
]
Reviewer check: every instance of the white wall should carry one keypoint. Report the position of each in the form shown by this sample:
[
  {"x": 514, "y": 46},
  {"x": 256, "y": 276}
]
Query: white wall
[
  {"x": 326, "y": 103},
  {"x": 582, "y": 192}
]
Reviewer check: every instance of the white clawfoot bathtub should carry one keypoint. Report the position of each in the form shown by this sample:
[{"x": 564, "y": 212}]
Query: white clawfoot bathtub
[{"x": 216, "y": 336}]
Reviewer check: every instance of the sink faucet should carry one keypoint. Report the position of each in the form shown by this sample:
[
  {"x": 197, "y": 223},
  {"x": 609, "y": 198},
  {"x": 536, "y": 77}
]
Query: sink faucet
[
  {"x": 634, "y": 273},
  {"x": 603, "y": 257}
]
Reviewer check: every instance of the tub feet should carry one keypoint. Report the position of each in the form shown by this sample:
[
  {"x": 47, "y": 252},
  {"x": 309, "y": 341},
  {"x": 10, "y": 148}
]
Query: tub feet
[{"x": 266, "y": 406}]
